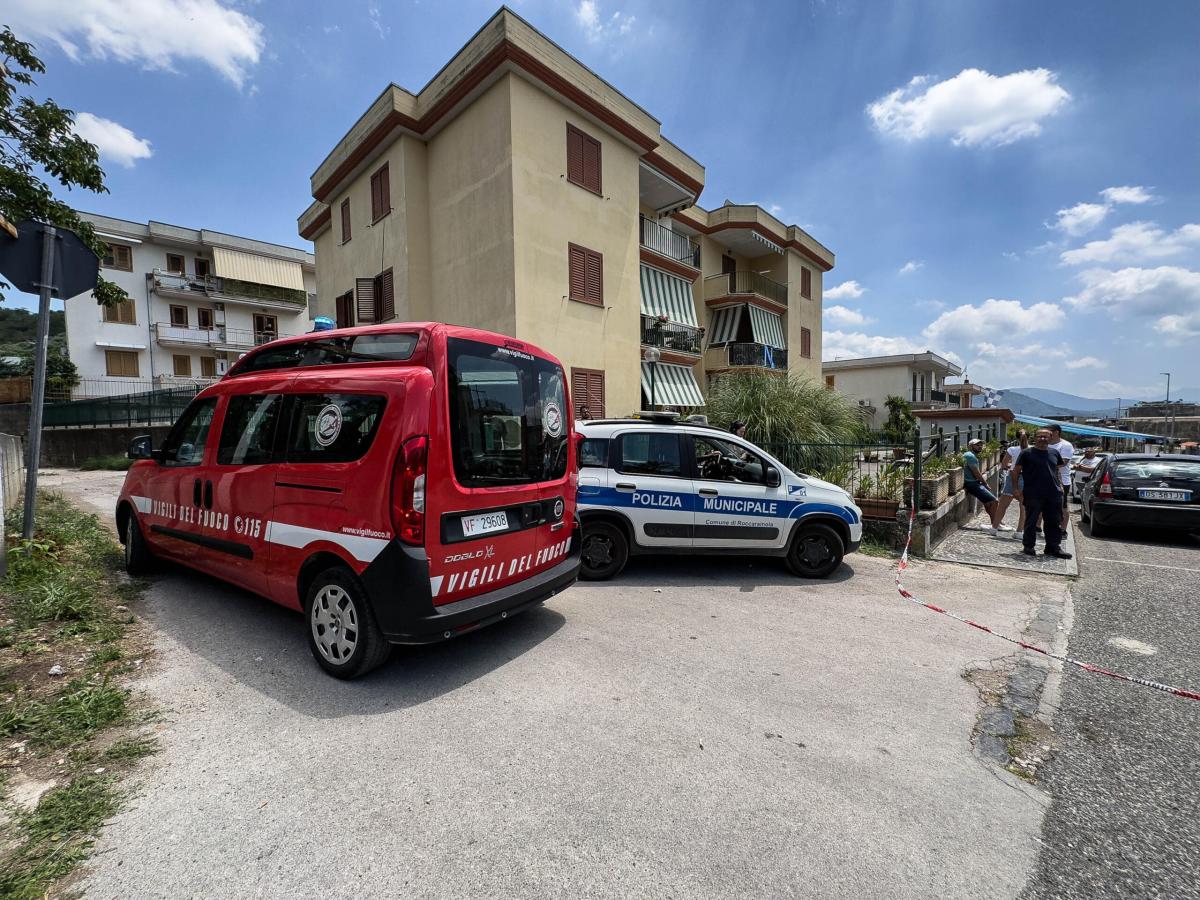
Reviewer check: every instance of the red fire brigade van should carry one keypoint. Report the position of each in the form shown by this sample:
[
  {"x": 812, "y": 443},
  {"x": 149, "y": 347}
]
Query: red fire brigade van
[{"x": 399, "y": 484}]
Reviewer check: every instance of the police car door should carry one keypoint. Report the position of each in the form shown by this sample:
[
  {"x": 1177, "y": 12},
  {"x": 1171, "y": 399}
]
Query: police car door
[
  {"x": 651, "y": 484},
  {"x": 734, "y": 507}
]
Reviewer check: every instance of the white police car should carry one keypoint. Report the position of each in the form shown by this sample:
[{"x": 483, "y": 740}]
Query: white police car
[{"x": 655, "y": 485}]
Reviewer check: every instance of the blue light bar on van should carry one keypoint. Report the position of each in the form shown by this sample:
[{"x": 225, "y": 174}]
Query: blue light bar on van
[{"x": 323, "y": 323}]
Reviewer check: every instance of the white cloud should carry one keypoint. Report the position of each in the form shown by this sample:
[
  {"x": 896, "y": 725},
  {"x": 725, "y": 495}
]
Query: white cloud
[
  {"x": 911, "y": 266},
  {"x": 1086, "y": 362},
  {"x": 596, "y": 28},
  {"x": 157, "y": 34},
  {"x": 114, "y": 141},
  {"x": 839, "y": 344},
  {"x": 1081, "y": 218},
  {"x": 1168, "y": 294},
  {"x": 1135, "y": 242},
  {"x": 847, "y": 290},
  {"x": 376, "y": 22},
  {"x": 972, "y": 108},
  {"x": 994, "y": 320},
  {"x": 842, "y": 315},
  {"x": 1131, "y": 193}
]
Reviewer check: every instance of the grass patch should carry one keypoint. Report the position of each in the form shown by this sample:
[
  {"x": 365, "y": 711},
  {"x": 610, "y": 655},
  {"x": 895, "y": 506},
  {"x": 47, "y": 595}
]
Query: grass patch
[
  {"x": 65, "y": 718},
  {"x": 113, "y": 463},
  {"x": 872, "y": 546},
  {"x": 130, "y": 749}
]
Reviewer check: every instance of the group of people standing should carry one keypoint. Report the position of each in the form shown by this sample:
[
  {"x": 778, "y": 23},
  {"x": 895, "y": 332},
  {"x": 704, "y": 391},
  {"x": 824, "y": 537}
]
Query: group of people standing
[{"x": 1037, "y": 476}]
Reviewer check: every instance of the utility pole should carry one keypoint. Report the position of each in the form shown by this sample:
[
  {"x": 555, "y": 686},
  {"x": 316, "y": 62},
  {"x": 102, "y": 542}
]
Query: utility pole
[
  {"x": 45, "y": 287},
  {"x": 1167, "y": 424}
]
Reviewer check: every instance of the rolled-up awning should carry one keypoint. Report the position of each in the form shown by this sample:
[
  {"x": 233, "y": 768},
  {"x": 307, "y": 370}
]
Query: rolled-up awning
[
  {"x": 257, "y": 269},
  {"x": 667, "y": 295},
  {"x": 673, "y": 385},
  {"x": 767, "y": 328},
  {"x": 724, "y": 326}
]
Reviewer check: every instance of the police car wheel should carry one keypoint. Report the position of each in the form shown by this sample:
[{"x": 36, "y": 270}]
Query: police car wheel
[
  {"x": 605, "y": 551},
  {"x": 342, "y": 634},
  {"x": 138, "y": 560},
  {"x": 815, "y": 552}
]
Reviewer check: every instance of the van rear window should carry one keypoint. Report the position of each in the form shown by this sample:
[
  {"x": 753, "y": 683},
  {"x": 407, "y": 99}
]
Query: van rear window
[
  {"x": 386, "y": 347},
  {"x": 328, "y": 428}
]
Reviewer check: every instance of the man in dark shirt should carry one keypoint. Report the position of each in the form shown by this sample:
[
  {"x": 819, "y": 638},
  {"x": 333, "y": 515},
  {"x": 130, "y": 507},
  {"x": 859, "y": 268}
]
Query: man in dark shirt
[{"x": 1041, "y": 468}]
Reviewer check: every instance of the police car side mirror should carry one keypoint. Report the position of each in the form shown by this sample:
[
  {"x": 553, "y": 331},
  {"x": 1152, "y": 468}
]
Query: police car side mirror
[
  {"x": 771, "y": 477},
  {"x": 141, "y": 448}
]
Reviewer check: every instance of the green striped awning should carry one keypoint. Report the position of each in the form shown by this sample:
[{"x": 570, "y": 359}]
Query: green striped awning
[
  {"x": 667, "y": 295},
  {"x": 673, "y": 385},
  {"x": 724, "y": 325},
  {"x": 767, "y": 328}
]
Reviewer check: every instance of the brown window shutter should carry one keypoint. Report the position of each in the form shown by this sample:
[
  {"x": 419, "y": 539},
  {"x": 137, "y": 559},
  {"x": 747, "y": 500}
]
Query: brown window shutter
[
  {"x": 596, "y": 394},
  {"x": 387, "y": 299},
  {"x": 579, "y": 391},
  {"x": 345, "y": 220},
  {"x": 591, "y": 164},
  {"x": 587, "y": 392},
  {"x": 806, "y": 343},
  {"x": 805, "y": 283},
  {"x": 345, "y": 310},
  {"x": 385, "y": 191},
  {"x": 364, "y": 299},
  {"x": 577, "y": 260},
  {"x": 595, "y": 278},
  {"x": 574, "y": 155}
]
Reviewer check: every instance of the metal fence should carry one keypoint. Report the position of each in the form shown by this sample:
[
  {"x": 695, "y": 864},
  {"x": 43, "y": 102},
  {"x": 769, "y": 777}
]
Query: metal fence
[{"x": 146, "y": 408}]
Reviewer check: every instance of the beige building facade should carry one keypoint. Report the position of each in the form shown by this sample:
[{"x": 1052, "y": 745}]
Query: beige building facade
[
  {"x": 920, "y": 378},
  {"x": 519, "y": 192}
]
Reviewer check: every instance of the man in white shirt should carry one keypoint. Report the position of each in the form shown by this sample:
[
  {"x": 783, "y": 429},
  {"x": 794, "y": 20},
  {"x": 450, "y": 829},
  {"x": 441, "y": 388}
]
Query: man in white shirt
[{"x": 1066, "y": 450}]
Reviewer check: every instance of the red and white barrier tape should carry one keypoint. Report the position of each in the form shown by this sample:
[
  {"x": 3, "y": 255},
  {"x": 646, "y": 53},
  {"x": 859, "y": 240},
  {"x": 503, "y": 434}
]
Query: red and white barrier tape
[{"x": 1089, "y": 667}]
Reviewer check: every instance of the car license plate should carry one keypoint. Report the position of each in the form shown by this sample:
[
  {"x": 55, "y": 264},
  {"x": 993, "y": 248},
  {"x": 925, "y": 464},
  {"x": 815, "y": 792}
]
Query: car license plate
[
  {"x": 485, "y": 523},
  {"x": 1160, "y": 494}
]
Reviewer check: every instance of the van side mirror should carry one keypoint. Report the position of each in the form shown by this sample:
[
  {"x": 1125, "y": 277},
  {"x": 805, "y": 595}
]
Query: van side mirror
[
  {"x": 141, "y": 448},
  {"x": 771, "y": 477}
]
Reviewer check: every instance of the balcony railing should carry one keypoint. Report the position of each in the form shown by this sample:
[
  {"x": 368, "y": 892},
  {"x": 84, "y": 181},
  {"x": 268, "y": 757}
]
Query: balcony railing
[
  {"x": 667, "y": 243},
  {"x": 672, "y": 336},
  {"x": 729, "y": 283},
  {"x": 939, "y": 397},
  {"x": 215, "y": 288},
  {"x": 237, "y": 338},
  {"x": 756, "y": 355}
]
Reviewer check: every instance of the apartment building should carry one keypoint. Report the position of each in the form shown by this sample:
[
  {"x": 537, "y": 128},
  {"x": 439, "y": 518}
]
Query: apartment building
[
  {"x": 518, "y": 191},
  {"x": 198, "y": 299},
  {"x": 920, "y": 378}
]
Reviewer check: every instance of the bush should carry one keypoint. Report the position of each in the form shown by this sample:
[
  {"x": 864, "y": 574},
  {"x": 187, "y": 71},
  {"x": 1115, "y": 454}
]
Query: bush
[
  {"x": 900, "y": 422},
  {"x": 784, "y": 409}
]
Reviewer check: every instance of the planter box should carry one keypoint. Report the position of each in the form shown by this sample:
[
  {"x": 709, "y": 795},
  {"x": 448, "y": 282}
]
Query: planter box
[
  {"x": 933, "y": 491},
  {"x": 957, "y": 475},
  {"x": 877, "y": 509}
]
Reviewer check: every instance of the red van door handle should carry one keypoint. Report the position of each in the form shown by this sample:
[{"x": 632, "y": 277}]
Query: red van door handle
[
  {"x": 208, "y": 495},
  {"x": 196, "y": 492}
]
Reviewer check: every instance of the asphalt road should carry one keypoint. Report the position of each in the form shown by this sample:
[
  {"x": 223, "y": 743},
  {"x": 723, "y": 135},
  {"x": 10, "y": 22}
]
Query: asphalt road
[
  {"x": 699, "y": 728},
  {"x": 1125, "y": 778}
]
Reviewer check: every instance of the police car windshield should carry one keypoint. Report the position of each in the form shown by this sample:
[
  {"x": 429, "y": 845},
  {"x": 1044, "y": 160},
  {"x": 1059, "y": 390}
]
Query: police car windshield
[
  {"x": 393, "y": 347},
  {"x": 506, "y": 415}
]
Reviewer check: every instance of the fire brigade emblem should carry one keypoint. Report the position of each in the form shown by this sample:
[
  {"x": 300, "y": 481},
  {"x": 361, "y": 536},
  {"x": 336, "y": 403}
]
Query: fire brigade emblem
[{"x": 329, "y": 425}]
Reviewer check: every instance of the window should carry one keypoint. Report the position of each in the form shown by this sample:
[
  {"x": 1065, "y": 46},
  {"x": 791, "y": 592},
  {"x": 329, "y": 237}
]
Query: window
[
  {"x": 248, "y": 434},
  {"x": 586, "y": 275},
  {"x": 806, "y": 343},
  {"x": 202, "y": 270},
  {"x": 118, "y": 256},
  {"x": 381, "y": 195},
  {"x": 184, "y": 446},
  {"x": 175, "y": 263},
  {"x": 593, "y": 452},
  {"x": 649, "y": 453},
  {"x": 266, "y": 328},
  {"x": 806, "y": 282},
  {"x": 393, "y": 347},
  {"x": 830, "y": 381},
  {"x": 208, "y": 367},
  {"x": 583, "y": 160},
  {"x": 587, "y": 393},
  {"x": 718, "y": 460},
  {"x": 123, "y": 313},
  {"x": 346, "y": 218},
  {"x": 374, "y": 298},
  {"x": 204, "y": 318},
  {"x": 344, "y": 310},
  {"x": 328, "y": 428},
  {"x": 121, "y": 363},
  {"x": 179, "y": 316},
  {"x": 507, "y": 415},
  {"x": 182, "y": 365}
]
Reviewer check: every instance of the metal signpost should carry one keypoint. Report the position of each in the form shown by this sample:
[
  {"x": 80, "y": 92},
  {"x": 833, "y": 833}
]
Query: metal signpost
[{"x": 53, "y": 262}]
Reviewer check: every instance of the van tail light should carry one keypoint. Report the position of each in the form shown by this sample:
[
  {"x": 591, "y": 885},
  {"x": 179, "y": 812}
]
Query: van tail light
[
  {"x": 1105, "y": 489},
  {"x": 408, "y": 491}
]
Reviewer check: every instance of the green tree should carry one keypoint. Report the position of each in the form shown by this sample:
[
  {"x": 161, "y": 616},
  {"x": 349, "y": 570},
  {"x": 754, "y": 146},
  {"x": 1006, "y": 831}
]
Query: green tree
[
  {"x": 36, "y": 140},
  {"x": 783, "y": 409},
  {"x": 61, "y": 373},
  {"x": 900, "y": 421}
]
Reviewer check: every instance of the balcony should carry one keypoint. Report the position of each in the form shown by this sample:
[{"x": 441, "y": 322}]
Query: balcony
[
  {"x": 937, "y": 400},
  {"x": 733, "y": 284},
  {"x": 672, "y": 336},
  {"x": 668, "y": 243},
  {"x": 747, "y": 355},
  {"x": 219, "y": 338},
  {"x": 226, "y": 290}
]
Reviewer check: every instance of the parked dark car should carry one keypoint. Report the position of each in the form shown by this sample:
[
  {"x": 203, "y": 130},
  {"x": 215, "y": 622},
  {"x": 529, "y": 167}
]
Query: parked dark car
[{"x": 1144, "y": 491}]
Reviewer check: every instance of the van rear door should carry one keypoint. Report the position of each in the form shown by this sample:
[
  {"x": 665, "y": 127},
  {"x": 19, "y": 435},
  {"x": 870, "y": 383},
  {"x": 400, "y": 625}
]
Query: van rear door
[{"x": 487, "y": 472}]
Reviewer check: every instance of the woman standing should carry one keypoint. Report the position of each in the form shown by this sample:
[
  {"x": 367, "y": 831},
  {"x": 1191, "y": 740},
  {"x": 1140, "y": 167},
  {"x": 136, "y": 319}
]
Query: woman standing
[{"x": 1007, "y": 488}]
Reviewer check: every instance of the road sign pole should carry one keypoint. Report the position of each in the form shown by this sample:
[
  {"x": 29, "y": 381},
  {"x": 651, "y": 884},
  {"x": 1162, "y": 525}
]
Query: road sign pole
[{"x": 45, "y": 287}]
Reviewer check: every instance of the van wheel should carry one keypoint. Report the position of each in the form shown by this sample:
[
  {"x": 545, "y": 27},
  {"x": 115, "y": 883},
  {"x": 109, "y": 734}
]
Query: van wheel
[
  {"x": 138, "y": 558},
  {"x": 342, "y": 634},
  {"x": 815, "y": 552},
  {"x": 605, "y": 551}
]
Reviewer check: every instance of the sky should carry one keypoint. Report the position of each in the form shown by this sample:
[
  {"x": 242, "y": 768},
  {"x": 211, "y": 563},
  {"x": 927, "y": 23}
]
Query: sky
[{"x": 1014, "y": 185}]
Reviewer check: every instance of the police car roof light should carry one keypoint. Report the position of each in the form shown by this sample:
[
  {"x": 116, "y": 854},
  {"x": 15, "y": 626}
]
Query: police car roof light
[{"x": 651, "y": 415}]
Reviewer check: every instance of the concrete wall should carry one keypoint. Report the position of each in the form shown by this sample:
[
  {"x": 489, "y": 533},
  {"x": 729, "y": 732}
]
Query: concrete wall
[{"x": 71, "y": 446}]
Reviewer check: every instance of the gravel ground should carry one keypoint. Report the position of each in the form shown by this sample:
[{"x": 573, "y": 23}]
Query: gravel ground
[{"x": 1125, "y": 820}]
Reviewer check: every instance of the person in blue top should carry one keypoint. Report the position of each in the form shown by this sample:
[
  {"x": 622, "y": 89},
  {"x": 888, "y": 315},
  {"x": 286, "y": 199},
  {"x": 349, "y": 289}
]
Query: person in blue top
[
  {"x": 1041, "y": 467},
  {"x": 974, "y": 484}
]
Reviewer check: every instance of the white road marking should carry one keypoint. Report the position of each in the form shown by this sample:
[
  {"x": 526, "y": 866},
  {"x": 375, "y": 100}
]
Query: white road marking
[
  {"x": 1128, "y": 562},
  {"x": 1133, "y": 646}
]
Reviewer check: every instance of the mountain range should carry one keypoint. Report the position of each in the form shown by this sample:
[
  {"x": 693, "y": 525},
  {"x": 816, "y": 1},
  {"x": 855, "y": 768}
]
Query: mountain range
[{"x": 1045, "y": 402}]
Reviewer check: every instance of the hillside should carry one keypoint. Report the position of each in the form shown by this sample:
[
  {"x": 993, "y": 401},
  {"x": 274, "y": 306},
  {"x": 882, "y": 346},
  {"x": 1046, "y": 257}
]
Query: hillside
[
  {"x": 1067, "y": 403},
  {"x": 18, "y": 325}
]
